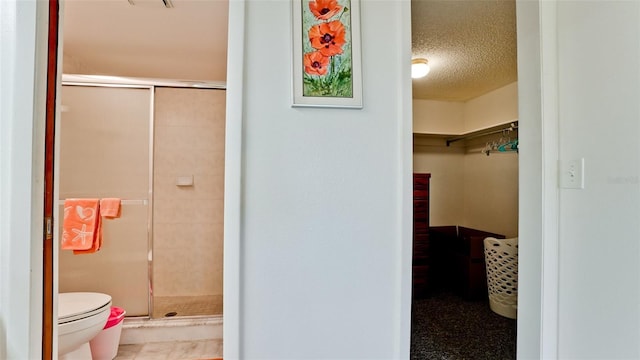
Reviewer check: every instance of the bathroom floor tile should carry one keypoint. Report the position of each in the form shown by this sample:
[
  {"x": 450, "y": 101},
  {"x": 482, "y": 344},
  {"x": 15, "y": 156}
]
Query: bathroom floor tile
[
  {"x": 128, "y": 351},
  {"x": 155, "y": 351},
  {"x": 213, "y": 348},
  {"x": 172, "y": 350}
]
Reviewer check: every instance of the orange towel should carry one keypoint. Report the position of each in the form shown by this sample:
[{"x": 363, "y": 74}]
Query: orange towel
[
  {"x": 81, "y": 226},
  {"x": 110, "y": 207}
]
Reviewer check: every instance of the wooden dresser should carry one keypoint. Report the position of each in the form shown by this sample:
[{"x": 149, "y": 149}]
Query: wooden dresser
[
  {"x": 420, "y": 234},
  {"x": 457, "y": 260}
]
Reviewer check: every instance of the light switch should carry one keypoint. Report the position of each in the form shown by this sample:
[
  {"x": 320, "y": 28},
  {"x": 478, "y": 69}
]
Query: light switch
[{"x": 571, "y": 174}]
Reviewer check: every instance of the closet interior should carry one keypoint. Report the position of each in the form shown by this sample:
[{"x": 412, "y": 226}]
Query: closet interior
[{"x": 465, "y": 190}]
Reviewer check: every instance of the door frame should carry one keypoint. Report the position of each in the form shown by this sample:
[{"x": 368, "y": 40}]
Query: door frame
[
  {"x": 24, "y": 41},
  {"x": 234, "y": 163},
  {"x": 48, "y": 260},
  {"x": 232, "y": 188},
  {"x": 538, "y": 199}
]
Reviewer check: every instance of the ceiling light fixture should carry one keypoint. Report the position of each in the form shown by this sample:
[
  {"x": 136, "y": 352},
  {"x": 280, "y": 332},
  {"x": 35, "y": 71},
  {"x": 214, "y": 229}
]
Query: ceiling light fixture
[{"x": 419, "y": 68}]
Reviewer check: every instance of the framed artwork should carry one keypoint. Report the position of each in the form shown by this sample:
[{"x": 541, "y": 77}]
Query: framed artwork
[{"x": 327, "y": 69}]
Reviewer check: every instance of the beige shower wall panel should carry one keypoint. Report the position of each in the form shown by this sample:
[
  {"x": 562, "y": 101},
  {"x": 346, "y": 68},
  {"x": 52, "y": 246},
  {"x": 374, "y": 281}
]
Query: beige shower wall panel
[
  {"x": 198, "y": 163},
  {"x": 186, "y": 259},
  {"x": 209, "y": 187},
  {"x": 205, "y": 108},
  {"x": 188, "y": 221}
]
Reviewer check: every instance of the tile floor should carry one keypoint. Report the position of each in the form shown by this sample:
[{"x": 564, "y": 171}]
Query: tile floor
[{"x": 175, "y": 350}]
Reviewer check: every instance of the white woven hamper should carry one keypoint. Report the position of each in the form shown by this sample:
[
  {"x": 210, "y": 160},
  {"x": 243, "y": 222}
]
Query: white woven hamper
[{"x": 501, "y": 257}]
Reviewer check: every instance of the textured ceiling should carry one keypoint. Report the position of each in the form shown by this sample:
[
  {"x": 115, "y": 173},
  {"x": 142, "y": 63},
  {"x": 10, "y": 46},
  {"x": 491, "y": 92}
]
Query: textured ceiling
[{"x": 470, "y": 46}]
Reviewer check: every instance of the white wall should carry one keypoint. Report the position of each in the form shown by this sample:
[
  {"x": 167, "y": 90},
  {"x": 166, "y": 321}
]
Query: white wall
[
  {"x": 491, "y": 182},
  {"x": 599, "y": 112},
  {"x": 438, "y": 117},
  {"x": 491, "y": 192},
  {"x": 467, "y": 187},
  {"x": 324, "y": 191},
  {"x": 446, "y": 186},
  {"x": 580, "y": 245},
  {"x": 22, "y": 66},
  {"x": 454, "y": 117},
  {"x": 496, "y": 107}
]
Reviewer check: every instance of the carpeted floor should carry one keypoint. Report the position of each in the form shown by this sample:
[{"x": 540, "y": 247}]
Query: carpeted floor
[{"x": 446, "y": 327}]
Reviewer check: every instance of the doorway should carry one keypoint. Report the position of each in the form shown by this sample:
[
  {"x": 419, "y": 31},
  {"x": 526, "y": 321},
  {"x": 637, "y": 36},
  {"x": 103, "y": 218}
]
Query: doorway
[
  {"x": 465, "y": 112},
  {"x": 115, "y": 77}
]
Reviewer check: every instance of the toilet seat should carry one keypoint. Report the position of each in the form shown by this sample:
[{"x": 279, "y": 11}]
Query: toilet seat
[{"x": 79, "y": 305}]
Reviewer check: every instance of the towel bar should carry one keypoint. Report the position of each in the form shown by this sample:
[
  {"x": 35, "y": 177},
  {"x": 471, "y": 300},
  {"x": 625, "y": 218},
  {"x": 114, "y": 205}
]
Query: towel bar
[{"x": 123, "y": 202}]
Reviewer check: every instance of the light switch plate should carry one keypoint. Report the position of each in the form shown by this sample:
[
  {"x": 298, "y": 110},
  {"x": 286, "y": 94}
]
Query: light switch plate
[{"x": 571, "y": 174}]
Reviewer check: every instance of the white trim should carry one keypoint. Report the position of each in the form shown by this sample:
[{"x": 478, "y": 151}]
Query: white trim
[
  {"x": 56, "y": 186},
  {"x": 233, "y": 182},
  {"x": 538, "y": 193},
  {"x": 550, "y": 149},
  {"x": 23, "y": 70},
  {"x": 37, "y": 181},
  {"x": 405, "y": 188},
  {"x": 149, "y": 201}
]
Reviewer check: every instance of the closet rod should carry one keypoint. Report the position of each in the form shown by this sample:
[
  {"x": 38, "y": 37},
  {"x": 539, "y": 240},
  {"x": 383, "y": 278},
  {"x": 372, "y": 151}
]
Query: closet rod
[{"x": 489, "y": 131}]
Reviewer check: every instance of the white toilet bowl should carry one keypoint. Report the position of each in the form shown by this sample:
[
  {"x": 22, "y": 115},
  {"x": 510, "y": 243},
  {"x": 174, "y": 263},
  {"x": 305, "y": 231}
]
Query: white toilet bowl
[{"x": 81, "y": 317}]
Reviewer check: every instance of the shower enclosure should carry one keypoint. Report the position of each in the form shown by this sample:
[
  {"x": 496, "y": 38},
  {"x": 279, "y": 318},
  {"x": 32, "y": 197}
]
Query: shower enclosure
[{"x": 159, "y": 146}]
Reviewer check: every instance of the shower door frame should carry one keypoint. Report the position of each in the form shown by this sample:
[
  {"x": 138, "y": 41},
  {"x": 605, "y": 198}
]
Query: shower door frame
[
  {"x": 150, "y": 84},
  {"x": 90, "y": 81}
]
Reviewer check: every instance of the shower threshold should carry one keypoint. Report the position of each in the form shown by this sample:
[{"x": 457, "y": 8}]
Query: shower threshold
[{"x": 143, "y": 330}]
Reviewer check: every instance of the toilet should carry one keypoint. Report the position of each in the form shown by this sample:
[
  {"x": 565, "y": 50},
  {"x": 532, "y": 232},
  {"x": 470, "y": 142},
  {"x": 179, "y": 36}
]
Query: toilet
[{"x": 81, "y": 317}]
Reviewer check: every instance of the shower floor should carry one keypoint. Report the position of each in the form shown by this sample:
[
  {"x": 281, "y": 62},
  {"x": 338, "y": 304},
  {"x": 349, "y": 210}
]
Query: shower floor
[{"x": 167, "y": 306}]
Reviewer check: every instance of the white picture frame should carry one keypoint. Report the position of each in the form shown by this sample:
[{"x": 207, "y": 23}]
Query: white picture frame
[{"x": 327, "y": 70}]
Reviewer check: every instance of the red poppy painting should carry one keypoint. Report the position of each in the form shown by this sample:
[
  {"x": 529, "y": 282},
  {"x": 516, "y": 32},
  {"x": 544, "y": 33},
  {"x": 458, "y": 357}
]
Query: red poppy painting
[{"x": 326, "y": 53}]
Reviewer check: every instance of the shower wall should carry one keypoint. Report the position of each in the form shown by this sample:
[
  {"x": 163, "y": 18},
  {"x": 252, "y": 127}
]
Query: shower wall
[
  {"x": 104, "y": 136},
  {"x": 188, "y": 220}
]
